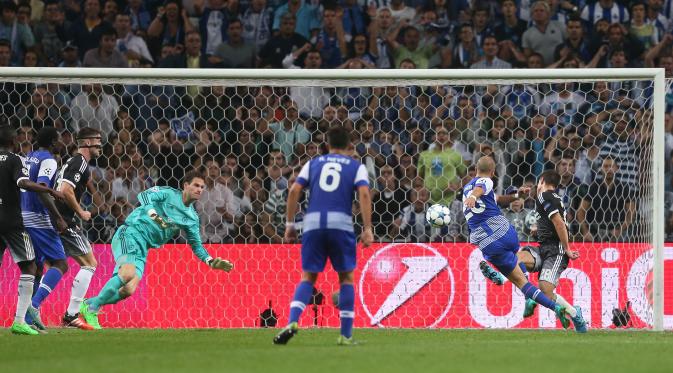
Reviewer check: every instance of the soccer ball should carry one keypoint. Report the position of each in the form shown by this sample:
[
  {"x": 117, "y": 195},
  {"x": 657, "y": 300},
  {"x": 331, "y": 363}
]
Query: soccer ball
[{"x": 438, "y": 215}]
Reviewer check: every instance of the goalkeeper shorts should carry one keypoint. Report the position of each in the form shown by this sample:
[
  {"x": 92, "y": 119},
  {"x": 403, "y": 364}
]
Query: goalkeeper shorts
[{"x": 128, "y": 247}]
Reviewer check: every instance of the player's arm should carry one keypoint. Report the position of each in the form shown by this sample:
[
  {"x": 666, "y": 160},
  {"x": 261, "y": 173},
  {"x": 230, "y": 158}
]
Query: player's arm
[
  {"x": 71, "y": 201},
  {"x": 562, "y": 232},
  {"x": 505, "y": 200},
  {"x": 194, "y": 241},
  {"x": 151, "y": 195},
  {"x": 365, "y": 198},
  {"x": 48, "y": 202},
  {"x": 291, "y": 211},
  {"x": 98, "y": 201},
  {"x": 471, "y": 199}
]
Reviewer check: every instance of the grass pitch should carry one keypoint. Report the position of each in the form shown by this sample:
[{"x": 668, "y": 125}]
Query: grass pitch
[{"x": 314, "y": 350}]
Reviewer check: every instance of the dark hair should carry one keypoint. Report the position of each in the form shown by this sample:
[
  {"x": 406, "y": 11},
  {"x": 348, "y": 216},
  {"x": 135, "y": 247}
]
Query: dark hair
[
  {"x": 8, "y": 5},
  {"x": 338, "y": 138},
  {"x": 191, "y": 175},
  {"x": 88, "y": 133},
  {"x": 47, "y": 137},
  {"x": 489, "y": 36},
  {"x": 7, "y": 134},
  {"x": 5, "y": 43},
  {"x": 551, "y": 177},
  {"x": 107, "y": 30}
]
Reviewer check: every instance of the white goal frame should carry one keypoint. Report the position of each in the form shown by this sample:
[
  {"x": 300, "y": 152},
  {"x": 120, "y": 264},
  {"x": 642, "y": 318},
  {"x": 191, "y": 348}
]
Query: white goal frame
[{"x": 296, "y": 77}]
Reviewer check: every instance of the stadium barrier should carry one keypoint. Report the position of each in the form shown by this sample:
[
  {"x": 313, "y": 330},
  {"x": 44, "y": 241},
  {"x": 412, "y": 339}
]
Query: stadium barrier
[{"x": 405, "y": 285}]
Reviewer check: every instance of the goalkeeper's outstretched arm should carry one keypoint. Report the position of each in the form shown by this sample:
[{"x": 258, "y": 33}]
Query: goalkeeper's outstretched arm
[{"x": 194, "y": 241}]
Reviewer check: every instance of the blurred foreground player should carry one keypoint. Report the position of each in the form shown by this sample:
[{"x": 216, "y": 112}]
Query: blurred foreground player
[
  {"x": 14, "y": 176},
  {"x": 328, "y": 228},
  {"x": 162, "y": 213}
]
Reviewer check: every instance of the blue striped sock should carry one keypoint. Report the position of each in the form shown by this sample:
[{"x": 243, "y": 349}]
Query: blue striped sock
[
  {"x": 47, "y": 285},
  {"x": 346, "y": 307},
  {"x": 532, "y": 292},
  {"x": 301, "y": 297}
]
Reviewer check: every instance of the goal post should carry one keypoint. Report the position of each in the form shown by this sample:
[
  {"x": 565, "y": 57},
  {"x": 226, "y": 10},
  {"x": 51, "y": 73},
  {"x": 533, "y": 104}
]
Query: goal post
[{"x": 169, "y": 89}]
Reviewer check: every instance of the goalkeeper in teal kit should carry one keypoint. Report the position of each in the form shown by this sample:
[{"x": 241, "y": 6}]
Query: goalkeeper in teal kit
[{"x": 163, "y": 213}]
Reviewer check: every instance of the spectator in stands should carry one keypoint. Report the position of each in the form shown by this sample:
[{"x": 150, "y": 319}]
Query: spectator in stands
[
  {"x": 131, "y": 46},
  {"x": 544, "y": 35},
  {"x": 110, "y": 11},
  {"x": 617, "y": 39},
  {"x": 490, "y": 59},
  {"x": 619, "y": 145},
  {"x": 50, "y": 33},
  {"x": 353, "y": 19},
  {"x": 576, "y": 43},
  {"x": 94, "y": 108},
  {"x": 18, "y": 34},
  {"x": 86, "y": 32},
  {"x": 216, "y": 207},
  {"x": 510, "y": 29},
  {"x": 235, "y": 52},
  {"x": 380, "y": 27},
  {"x": 330, "y": 40},
  {"x": 70, "y": 55},
  {"x": 466, "y": 51},
  {"x": 522, "y": 219},
  {"x": 288, "y": 134},
  {"x": 411, "y": 225},
  {"x": 605, "y": 9},
  {"x": 257, "y": 24},
  {"x": 128, "y": 182},
  {"x": 562, "y": 103},
  {"x": 387, "y": 200},
  {"x": 139, "y": 15},
  {"x": 480, "y": 24},
  {"x": 279, "y": 46},
  {"x": 400, "y": 12},
  {"x": 570, "y": 189},
  {"x": 367, "y": 149},
  {"x": 105, "y": 55},
  {"x": 171, "y": 25},
  {"x": 640, "y": 29},
  {"x": 306, "y": 15},
  {"x": 420, "y": 55},
  {"x": 213, "y": 25},
  {"x": 607, "y": 210},
  {"x": 441, "y": 168},
  {"x": 40, "y": 111}
]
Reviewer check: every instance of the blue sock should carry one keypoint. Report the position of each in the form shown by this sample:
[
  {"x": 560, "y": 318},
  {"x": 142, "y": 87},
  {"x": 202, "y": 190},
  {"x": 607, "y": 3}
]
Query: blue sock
[
  {"x": 107, "y": 293},
  {"x": 301, "y": 296},
  {"x": 346, "y": 307},
  {"x": 523, "y": 269},
  {"x": 532, "y": 292},
  {"x": 47, "y": 285}
]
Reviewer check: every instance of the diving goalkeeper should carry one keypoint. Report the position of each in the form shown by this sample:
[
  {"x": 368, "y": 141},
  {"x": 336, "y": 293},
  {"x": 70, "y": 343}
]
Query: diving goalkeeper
[{"x": 162, "y": 213}]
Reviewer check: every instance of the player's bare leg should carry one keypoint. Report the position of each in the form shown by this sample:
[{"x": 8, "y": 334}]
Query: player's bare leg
[
  {"x": 346, "y": 308},
  {"x": 302, "y": 296}
]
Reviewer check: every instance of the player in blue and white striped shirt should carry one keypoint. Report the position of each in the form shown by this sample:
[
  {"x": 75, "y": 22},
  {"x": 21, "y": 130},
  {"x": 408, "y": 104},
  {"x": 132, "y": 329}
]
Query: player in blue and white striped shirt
[{"x": 328, "y": 231}]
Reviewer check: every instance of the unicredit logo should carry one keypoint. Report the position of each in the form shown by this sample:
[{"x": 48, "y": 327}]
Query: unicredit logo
[{"x": 406, "y": 285}]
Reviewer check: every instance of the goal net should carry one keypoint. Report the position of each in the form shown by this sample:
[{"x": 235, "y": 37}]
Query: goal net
[{"x": 418, "y": 133}]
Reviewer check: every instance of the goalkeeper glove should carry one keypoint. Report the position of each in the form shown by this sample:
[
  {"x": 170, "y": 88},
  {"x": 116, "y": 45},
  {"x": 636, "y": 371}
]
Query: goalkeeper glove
[{"x": 221, "y": 264}]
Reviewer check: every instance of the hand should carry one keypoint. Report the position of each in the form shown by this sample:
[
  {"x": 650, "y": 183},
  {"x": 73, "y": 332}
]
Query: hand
[
  {"x": 290, "y": 234},
  {"x": 572, "y": 254},
  {"x": 524, "y": 191},
  {"x": 470, "y": 202},
  {"x": 221, "y": 264},
  {"x": 367, "y": 237},
  {"x": 85, "y": 215},
  {"x": 61, "y": 225}
]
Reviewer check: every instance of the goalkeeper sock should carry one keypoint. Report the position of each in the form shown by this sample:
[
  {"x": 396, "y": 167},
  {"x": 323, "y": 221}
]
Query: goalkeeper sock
[
  {"x": 570, "y": 310},
  {"x": 107, "y": 293},
  {"x": 301, "y": 296},
  {"x": 47, "y": 285},
  {"x": 79, "y": 287},
  {"x": 346, "y": 306},
  {"x": 531, "y": 291}
]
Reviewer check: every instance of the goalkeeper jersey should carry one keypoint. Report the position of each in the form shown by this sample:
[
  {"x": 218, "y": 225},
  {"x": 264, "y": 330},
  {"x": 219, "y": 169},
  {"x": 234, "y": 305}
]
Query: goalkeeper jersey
[{"x": 161, "y": 215}]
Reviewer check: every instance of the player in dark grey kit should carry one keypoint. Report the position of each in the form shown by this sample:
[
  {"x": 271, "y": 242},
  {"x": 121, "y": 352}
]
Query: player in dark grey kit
[
  {"x": 73, "y": 180},
  {"x": 551, "y": 258},
  {"x": 13, "y": 177}
]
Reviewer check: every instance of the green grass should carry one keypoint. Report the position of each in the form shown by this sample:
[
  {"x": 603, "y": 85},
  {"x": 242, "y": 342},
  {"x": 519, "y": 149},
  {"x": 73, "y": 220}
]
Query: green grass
[{"x": 381, "y": 350}]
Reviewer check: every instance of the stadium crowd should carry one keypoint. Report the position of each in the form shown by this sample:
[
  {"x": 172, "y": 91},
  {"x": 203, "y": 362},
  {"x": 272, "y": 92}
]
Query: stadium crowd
[{"x": 418, "y": 143}]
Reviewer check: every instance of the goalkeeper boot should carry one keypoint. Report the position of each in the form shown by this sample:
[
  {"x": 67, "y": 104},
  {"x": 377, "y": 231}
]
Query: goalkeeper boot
[
  {"x": 560, "y": 312},
  {"x": 286, "y": 334},
  {"x": 491, "y": 274},
  {"x": 344, "y": 341},
  {"x": 578, "y": 321},
  {"x": 23, "y": 328},
  {"x": 91, "y": 317},
  {"x": 33, "y": 318},
  {"x": 529, "y": 310},
  {"x": 76, "y": 321}
]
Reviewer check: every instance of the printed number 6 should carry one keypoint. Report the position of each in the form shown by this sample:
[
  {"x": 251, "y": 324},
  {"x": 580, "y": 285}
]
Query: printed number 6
[{"x": 330, "y": 177}]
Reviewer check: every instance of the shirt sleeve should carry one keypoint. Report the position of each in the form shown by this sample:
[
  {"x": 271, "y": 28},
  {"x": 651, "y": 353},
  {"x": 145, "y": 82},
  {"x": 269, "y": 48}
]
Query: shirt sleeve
[
  {"x": 47, "y": 171},
  {"x": 19, "y": 170},
  {"x": 154, "y": 194},
  {"x": 362, "y": 177},
  {"x": 550, "y": 204},
  {"x": 194, "y": 241},
  {"x": 73, "y": 172},
  {"x": 485, "y": 183},
  {"x": 302, "y": 178}
]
